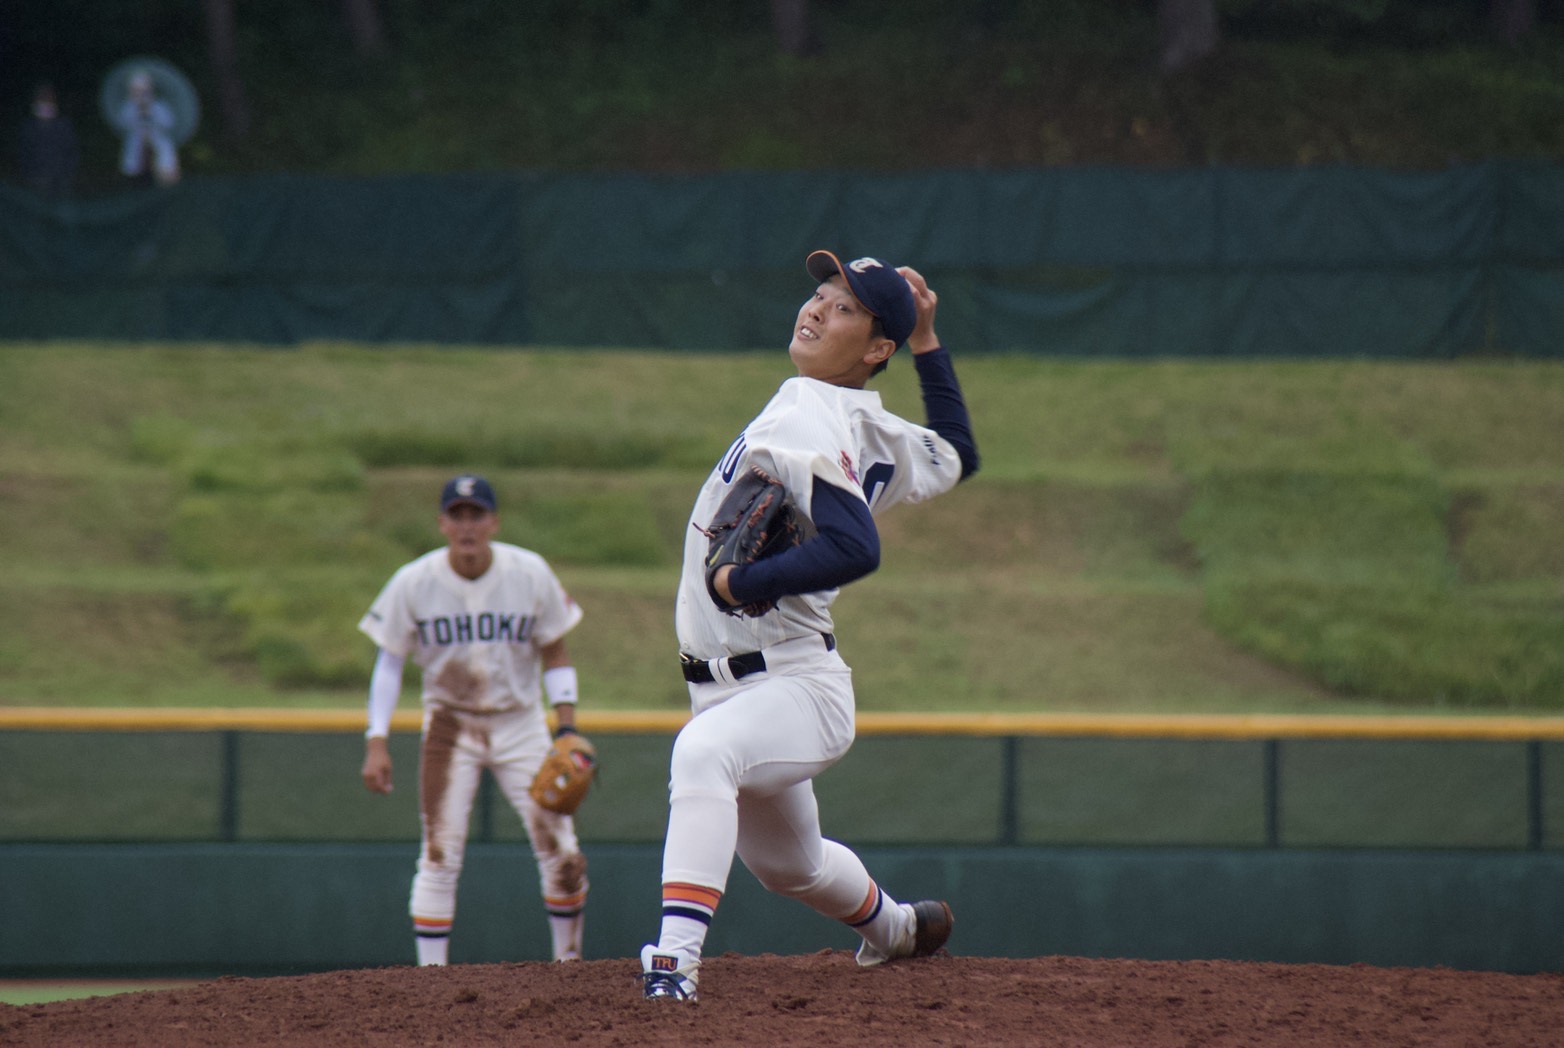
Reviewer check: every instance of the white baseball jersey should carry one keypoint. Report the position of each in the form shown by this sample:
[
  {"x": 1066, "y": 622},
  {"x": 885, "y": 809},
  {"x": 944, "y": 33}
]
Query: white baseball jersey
[
  {"x": 476, "y": 640},
  {"x": 809, "y": 429}
]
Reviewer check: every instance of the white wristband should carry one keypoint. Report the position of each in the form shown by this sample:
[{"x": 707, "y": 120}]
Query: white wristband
[{"x": 559, "y": 684}]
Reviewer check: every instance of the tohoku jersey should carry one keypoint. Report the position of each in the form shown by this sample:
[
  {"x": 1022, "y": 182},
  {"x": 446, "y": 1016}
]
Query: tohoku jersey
[
  {"x": 475, "y": 640},
  {"x": 809, "y": 429}
]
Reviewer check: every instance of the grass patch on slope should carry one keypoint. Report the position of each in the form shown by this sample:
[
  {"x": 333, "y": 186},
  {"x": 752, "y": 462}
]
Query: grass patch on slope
[{"x": 207, "y": 524}]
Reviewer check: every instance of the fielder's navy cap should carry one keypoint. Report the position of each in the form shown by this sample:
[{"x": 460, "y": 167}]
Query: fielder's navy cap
[
  {"x": 877, "y": 287},
  {"x": 468, "y": 487}
]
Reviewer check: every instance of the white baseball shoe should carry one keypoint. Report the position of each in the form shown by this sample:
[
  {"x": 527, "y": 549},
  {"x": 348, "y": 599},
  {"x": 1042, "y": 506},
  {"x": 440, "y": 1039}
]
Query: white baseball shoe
[
  {"x": 668, "y": 975},
  {"x": 929, "y": 931}
]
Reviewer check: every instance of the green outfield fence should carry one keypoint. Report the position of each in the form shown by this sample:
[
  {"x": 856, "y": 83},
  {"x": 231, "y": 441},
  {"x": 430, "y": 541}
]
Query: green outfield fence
[
  {"x": 1058, "y": 780},
  {"x": 1323, "y": 261},
  {"x": 190, "y": 842}
]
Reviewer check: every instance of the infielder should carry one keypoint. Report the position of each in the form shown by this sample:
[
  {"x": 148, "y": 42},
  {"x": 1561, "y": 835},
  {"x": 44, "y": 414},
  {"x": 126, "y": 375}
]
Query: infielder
[
  {"x": 485, "y": 621},
  {"x": 771, "y": 696}
]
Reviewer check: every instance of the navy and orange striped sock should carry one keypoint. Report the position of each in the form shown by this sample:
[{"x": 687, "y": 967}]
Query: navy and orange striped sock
[
  {"x": 432, "y": 939},
  {"x": 687, "y": 913},
  {"x": 565, "y": 905},
  {"x": 872, "y": 904}
]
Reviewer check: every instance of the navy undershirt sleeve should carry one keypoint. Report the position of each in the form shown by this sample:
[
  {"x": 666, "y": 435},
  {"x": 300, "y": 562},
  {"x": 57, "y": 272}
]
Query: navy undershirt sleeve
[
  {"x": 945, "y": 407},
  {"x": 846, "y": 546}
]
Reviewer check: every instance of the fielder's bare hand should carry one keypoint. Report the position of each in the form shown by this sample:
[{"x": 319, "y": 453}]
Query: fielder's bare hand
[
  {"x": 377, "y": 766},
  {"x": 923, "y": 339}
]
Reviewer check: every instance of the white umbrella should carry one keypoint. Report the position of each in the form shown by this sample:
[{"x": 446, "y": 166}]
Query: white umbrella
[{"x": 168, "y": 83}]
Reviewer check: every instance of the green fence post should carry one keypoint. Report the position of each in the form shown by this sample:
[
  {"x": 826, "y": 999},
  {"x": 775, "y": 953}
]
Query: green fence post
[
  {"x": 1009, "y": 805},
  {"x": 1272, "y": 790},
  {"x": 228, "y": 813},
  {"x": 1534, "y": 795}
]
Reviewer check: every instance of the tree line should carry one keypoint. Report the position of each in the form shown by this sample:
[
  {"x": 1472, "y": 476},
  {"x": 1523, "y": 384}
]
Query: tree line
[{"x": 39, "y": 37}]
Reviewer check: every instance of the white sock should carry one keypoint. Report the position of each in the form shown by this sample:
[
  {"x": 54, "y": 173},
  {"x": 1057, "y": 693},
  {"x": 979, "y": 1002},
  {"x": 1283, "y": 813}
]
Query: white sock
[
  {"x": 889, "y": 934},
  {"x": 566, "y": 933},
  {"x": 682, "y": 934},
  {"x": 433, "y": 949}
]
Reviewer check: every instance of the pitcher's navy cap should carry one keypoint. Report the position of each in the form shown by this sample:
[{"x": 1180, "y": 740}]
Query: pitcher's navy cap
[
  {"x": 877, "y": 287},
  {"x": 468, "y": 487}
]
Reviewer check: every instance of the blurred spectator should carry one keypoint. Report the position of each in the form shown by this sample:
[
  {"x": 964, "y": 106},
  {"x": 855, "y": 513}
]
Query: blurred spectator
[
  {"x": 48, "y": 152},
  {"x": 147, "y": 124}
]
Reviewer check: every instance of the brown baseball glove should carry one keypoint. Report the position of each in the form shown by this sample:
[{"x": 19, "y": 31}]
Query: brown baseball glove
[
  {"x": 754, "y": 521},
  {"x": 561, "y": 783}
]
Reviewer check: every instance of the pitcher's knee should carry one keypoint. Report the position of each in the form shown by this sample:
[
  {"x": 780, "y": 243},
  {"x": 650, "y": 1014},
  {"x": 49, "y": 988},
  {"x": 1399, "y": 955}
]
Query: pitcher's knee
[
  {"x": 701, "y": 765},
  {"x": 788, "y": 881}
]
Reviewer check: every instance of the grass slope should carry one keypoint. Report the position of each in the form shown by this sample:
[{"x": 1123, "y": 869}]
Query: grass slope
[{"x": 205, "y": 525}]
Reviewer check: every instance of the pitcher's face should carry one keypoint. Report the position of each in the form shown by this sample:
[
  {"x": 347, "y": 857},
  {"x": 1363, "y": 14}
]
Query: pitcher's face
[{"x": 833, "y": 337}]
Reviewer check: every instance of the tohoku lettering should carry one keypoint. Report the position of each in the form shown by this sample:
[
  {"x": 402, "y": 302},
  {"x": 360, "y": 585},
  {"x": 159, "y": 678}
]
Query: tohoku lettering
[{"x": 486, "y": 627}]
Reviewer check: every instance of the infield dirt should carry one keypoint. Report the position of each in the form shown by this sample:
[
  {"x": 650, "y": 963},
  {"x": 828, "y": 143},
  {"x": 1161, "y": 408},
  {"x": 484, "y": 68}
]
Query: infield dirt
[{"x": 825, "y": 999}]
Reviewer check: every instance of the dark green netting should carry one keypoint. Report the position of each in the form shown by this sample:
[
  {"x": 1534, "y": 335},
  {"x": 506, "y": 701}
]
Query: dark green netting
[{"x": 1080, "y": 261}]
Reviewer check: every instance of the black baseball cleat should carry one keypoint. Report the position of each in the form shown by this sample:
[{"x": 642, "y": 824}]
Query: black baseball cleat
[
  {"x": 931, "y": 924},
  {"x": 934, "y": 922}
]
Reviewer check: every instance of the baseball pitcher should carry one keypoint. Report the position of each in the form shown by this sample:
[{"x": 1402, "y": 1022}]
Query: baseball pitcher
[
  {"x": 485, "y": 621},
  {"x": 784, "y": 520}
]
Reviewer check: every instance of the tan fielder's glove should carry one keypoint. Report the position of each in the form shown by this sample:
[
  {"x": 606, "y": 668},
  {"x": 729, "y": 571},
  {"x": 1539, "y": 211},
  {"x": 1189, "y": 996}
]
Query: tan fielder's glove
[{"x": 561, "y": 783}]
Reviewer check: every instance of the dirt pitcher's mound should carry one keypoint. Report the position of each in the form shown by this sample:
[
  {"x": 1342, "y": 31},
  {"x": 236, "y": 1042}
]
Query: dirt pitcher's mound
[{"x": 825, "y": 999}]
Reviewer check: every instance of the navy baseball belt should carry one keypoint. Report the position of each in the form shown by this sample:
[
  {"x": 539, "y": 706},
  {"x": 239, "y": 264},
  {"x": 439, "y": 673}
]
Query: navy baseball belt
[{"x": 698, "y": 671}]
